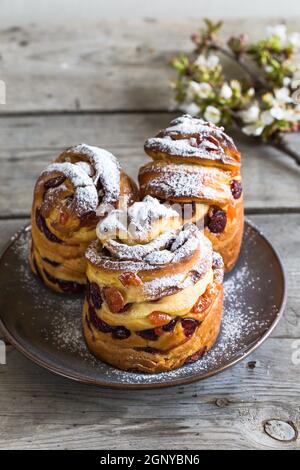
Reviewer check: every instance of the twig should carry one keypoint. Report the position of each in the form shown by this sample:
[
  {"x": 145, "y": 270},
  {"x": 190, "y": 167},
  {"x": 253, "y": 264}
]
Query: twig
[
  {"x": 257, "y": 81},
  {"x": 282, "y": 144}
]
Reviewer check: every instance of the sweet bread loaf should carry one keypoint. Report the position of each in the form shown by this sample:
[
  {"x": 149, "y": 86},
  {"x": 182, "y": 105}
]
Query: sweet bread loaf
[
  {"x": 70, "y": 197},
  {"x": 154, "y": 297},
  {"x": 197, "y": 166}
]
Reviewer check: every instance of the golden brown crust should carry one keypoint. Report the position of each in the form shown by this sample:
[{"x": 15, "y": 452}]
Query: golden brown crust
[
  {"x": 151, "y": 306},
  {"x": 171, "y": 351},
  {"x": 196, "y": 162},
  {"x": 70, "y": 197},
  {"x": 228, "y": 243}
]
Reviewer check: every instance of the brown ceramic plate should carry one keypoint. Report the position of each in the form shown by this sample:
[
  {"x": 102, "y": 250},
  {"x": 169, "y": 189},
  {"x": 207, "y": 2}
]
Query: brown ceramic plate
[{"x": 46, "y": 327}]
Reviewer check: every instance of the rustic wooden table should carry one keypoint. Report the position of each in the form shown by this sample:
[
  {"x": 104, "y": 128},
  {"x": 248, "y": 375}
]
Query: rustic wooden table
[{"x": 107, "y": 84}]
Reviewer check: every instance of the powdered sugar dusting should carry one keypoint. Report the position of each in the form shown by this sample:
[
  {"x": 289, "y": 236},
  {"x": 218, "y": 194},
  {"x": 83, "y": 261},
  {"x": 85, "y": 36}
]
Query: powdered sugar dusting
[
  {"x": 190, "y": 126},
  {"x": 192, "y": 137},
  {"x": 85, "y": 193},
  {"x": 137, "y": 222},
  {"x": 107, "y": 170},
  {"x": 187, "y": 181},
  {"x": 56, "y": 319}
]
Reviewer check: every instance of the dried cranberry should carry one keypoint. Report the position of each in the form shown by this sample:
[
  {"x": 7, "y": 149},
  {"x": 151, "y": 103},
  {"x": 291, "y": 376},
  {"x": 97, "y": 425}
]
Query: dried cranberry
[
  {"x": 216, "y": 219},
  {"x": 114, "y": 299},
  {"x": 41, "y": 223},
  {"x": 148, "y": 334},
  {"x": 189, "y": 325},
  {"x": 130, "y": 279},
  {"x": 95, "y": 295},
  {"x": 88, "y": 218},
  {"x": 120, "y": 332},
  {"x": 98, "y": 323},
  {"x": 236, "y": 189},
  {"x": 54, "y": 182},
  {"x": 170, "y": 326}
]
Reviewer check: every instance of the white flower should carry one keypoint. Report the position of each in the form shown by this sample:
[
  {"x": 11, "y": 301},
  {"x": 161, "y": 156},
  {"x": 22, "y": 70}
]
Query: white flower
[
  {"x": 250, "y": 115},
  {"x": 212, "y": 61},
  {"x": 277, "y": 112},
  {"x": 235, "y": 85},
  {"x": 266, "y": 117},
  {"x": 295, "y": 83},
  {"x": 191, "y": 109},
  {"x": 253, "y": 129},
  {"x": 269, "y": 99},
  {"x": 209, "y": 62},
  {"x": 294, "y": 40},
  {"x": 268, "y": 68},
  {"x": 251, "y": 92},
  {"x": 290, "y": 115},
  {"x": 287, "y": 81},
  {"x": 280, "y": 31},
  {"x": 202, "y": 90},
  {"x": 226, "y": 91},
  {"x": 282, "y": 95},
  {"x": 212, "y": 114}
]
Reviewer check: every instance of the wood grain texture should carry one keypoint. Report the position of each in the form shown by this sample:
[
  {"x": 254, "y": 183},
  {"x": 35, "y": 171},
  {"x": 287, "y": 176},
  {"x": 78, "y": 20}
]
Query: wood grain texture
[
  {"x": 226, "y": 411},
  {"x": 90, "y": 66},
  {"x": 28, "y": 144},
  {"x": 229, "y": 410}
]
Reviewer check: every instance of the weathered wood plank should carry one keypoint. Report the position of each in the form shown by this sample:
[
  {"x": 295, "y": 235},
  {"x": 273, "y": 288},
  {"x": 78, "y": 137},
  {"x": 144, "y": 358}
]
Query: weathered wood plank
[
  {"x": 28, "y": 144},
  {"x": 100, "y": 66},
  {"x": 226, "y": 411}
]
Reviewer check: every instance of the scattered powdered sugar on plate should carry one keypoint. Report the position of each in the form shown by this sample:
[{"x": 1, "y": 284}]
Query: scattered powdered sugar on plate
[{"x": 243, "y": 324}]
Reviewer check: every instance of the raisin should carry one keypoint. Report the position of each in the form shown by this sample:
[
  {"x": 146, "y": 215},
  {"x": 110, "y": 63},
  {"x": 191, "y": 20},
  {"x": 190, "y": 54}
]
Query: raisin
[
  {"x": 236, "y": 189},
  {"x": 41, "y": 223},
  {"x": 70, "y": 287},
  {"x": 98, "y": 323},
  {"x": 148, "y": 334},
  {"x": 95, "y": 295},
  {"x": 216, "y": 220},
  {"x": 170, "y": 326},
  {"x": 189, "y": 325},
  {"x": 88, "y": 218},
  {"x": 120, "y": 332},
  {"x": 54, "y": 182},
  {"x": 125, "y": 308}
]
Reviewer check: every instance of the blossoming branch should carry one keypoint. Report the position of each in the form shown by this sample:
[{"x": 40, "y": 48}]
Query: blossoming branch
[{"x": 262, "y": 103}]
